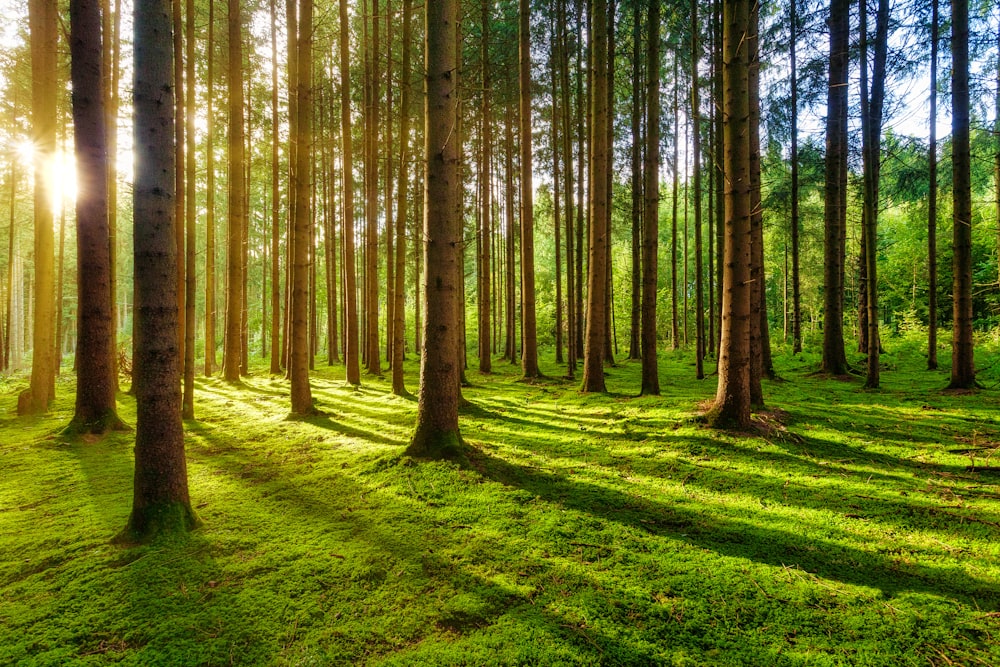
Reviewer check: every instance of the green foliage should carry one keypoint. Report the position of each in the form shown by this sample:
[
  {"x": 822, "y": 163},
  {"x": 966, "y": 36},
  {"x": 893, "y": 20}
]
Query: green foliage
[{"x": 586, "y": 529}]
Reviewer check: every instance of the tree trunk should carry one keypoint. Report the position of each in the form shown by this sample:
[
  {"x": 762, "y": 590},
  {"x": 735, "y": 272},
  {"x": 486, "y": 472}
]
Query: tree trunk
[
  {"x": 963, "y": 373},
  {"x": 932, "y": 193},
  {"x": 372, "y": 352},
  {"x": 402, "y": 191},
  {"x": 191, "y": 256},
  {"x": 437, "y": 434},
  {"x": 485, "y": 202},
  {"x": 529, "y": 340},
  {"x": 160, "y": 501},
  {"x": 350, "y": 267},
  {"x": 95, "y": 388},
  {"x": 732, "y": 402},
  {"x": 42, "y": 17},
  {"x": 675, "y": 336},
  {"x": 834, "y": 214},
  {"x": 210, "y": 299},
  {"x": 651, "y": 212},
  {"x": 180, "y": 199},
  {"x": 275, "y": 367},
  {"x": 634, "y": 348},
  {"x": 567, "y": 154},
  {"x": 794, "y": 159},
  {"x": 699, "y": 282},
  {"x": 237, "y": 200},
  {"x": 556, "y": 188},
  {"x": 597, "y": 283}
]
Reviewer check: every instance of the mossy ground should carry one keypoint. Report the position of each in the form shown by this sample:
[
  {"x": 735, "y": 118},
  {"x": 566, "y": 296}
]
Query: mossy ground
[{"x": 584, "y": 530}]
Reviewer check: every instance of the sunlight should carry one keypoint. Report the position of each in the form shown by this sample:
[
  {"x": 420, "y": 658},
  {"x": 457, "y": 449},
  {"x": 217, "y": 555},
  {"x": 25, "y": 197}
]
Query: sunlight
[{"x": 63, "y": 185}]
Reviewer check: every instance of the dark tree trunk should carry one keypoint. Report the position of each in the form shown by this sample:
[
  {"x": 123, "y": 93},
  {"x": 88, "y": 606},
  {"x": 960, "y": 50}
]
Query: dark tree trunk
[
  {"x": 402, "y": 191},
  {"x": 675, "y": 332},
  {"x": 210, "y": 299},
  {"x": 190, "y": 254},
  {"x": 835, "y": 198},
  {"x": 963, "y": 372},
  {"x": 232, "y": 360},
  {"x": 635, "y": 344},
  {"x": 699, "y": 315},
  {"x": 794, "y": 159},
  {"x": 160, "y": 501},
  {"x": 351, "y": 342},
  {"x": 651, "y": 209},
  {"x": 932, "y": 192},
  {"x": 95, "y": 386},
  {"x": 437, "y": 434},
  {"x": 529, "y": 340},
  {"x": 732, "y": 402}
]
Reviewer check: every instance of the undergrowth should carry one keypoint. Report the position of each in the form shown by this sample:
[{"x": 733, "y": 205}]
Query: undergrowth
[{"x": 856, "y": 527}]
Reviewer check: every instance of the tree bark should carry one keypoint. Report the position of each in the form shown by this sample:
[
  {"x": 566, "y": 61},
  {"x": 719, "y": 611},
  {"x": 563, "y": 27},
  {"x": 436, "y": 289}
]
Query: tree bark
[
  {"x": 529, "y": 339},
  {"x": 232, "y": 360},
  {"x": 350, "y": 268},
  {"x": 651, "y": 212},
  {"x": 699, "y": 282},
  {"x": 42, "y": 17},
  {"x": 932, "y": 195},
  {"x": 191, "y": 256},
  {"x": 635, "y": 344},
  {"x": 402, "y": 192},
  {"x": 95, "y": 388},
  {"x": 437, "y": 434},
  {"x": 963, "y": 373},
  {"x": 732, "y": 402},
  {"x": 160, "y": 501},
  {"x": 794, "y": 159},
  {"x": 210, "y": 290}
]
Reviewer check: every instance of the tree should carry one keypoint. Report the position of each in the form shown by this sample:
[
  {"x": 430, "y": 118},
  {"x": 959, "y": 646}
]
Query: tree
[
  {"x": 963, "y": 373},
  {"x": 302, "y": 185},
  {"x": 210, "y": 307},
  {"x": 95, "y": 386},
  {"x": 235, "y": 268},
  {"x": 871, "y": 123},
  {"x": 932, "y": 192},
  {"x": 732, "y": 400},
  {"x": 793, "y": 158},
  {"x": 42, "y": 17},
  {"x": 351, "y": 361},
  {"x": 835, "y": 198},
  {"x": 529, "y": 340},
  {"x": 634, "y": 348},
  {"x": 437, "y": 434},
  {"x": 191, "y": 257},
  {"x": 696, "y": 183},
  {"x": 160, "y": 501},
  {"x": 485, "y": 173},
  {"x": 651, "y": 207},
  {"x": 600, "y": 200},
  {"x": 402, "y": 192}
]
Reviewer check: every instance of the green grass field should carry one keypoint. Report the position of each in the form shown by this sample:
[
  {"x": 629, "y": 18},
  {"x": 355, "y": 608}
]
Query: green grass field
[{"x": 856, "y": 528}]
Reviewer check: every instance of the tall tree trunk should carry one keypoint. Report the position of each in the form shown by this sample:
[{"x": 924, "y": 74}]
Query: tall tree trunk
[
  {"x": 610, "y": 331},
  {"x": 372, "y": 352},
  {"x": 275, "y": 367},
  {"x": 95, "y": 388},
  {"x": 402, "y": 192},
  {"x": 634, "y": 349},
  {"x": 963, "y": 372},
  {"x": 485, "y": 201},
  {"x": 191, "y": 256},
  {"x": 760, "y": 341},
  {"x": 160, "y": 501},
  {"x": 511, "y": 292},
  {"x": 42, "y": 17},
  {"x": 567, "y": 155},
  {"x": 794, "y": 159},
  {"x": 302, "y": 185},
  {"x": 556, "y": 188},
  {"x": 529, "y": 340},
  {"x": 932, "y": 195},
  {"x": 582, "y": 203},
  {"x": 210, "y": 299},
  {"x": 350, "y": 267},
  {"x": 111, "y": 48},
  {"x": 699, "y": 281},
  {"x": 732, "y": 402},
  {"x": 834, "y": 214},
  {"x": 871, "y": 122},
  {"x": 675, "y": 337},
  {"x": 237, "y": 200},
  {"x": 651, "y": 209},
  {"x": 437, "y": 434},
  {"x": 180, "y": 201},
  {"x": 597, "y": 283}
]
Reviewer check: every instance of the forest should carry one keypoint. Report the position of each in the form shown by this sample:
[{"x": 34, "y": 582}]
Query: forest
[{"x": 500, "y": 332}]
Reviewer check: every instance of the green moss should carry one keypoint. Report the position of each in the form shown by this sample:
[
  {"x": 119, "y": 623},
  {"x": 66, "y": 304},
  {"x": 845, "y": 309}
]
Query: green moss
[{"x": 599, "y": 529}]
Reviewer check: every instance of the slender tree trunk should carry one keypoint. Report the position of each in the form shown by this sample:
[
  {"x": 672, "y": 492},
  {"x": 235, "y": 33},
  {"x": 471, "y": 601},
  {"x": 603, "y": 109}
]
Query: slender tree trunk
[
  {"x": 210, "y": 298},
  {"x": 402, "y": 192},
  {"x": 634, "y": 349},
  {"x": 95, "y": 388},
  {"x": 834, "y": 216},
  {"x": 610, "y": 331},
  {"x": 963, "y": 372},
  {"x": 237, "y": 200},
  {"x": 372, "y": 352},
  {"x": 111, "y": 47},
  {"x": 180, "y": 201},
  {"x": 42, "y": 17},
  {"x": 699, "y": 282},
  {"x": 732, "y": 402},
  {"x": 437, "y": 434},
  {"x": 529, "y": 342},
  {"x": 582, "y": 204},
  {"x": 350, "y": 267},
  {"x": 567, "y": 155},
  {"x": 160, "y": 501},
  {"x": 60, "y": 275},
  {"x": 651, "y": 212},
  {"x": 597, "y": 283},
  {"x": 932, "y": 195},
  {"x": 794, "y": 159},
  {"x": 191, "y": 256},
  {"x": 556, "y": 189},
  {"x": 675, "y": 337},
  {"x": 485, "y": 200},
  {"x": 511, "y": 294},
  {"x": 275, "y": 367}
]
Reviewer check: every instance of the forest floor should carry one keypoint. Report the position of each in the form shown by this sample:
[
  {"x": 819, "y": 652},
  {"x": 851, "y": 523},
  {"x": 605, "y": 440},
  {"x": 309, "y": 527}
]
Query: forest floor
[{"x": 855, "y": 528}]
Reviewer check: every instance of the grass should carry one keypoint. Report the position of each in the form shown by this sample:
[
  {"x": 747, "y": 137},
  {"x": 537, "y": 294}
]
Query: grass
[{"x": 587, "y": 529}]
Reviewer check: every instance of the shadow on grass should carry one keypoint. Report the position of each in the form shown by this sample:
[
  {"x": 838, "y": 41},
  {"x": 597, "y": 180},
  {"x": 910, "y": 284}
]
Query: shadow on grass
[{"x": 743, "y": 539}]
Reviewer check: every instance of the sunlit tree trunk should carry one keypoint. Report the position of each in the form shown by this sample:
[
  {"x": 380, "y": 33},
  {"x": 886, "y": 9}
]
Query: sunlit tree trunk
[
  {"x": 932, "y": 195},
  {"x": 963, "y": 373},
  {"x": 651, "y": 208},
  {"x": 95, "y": 388},
  {"x": 597, "y": 282},
  {"x": 210, "y": 290},
  {"x": 675, "y": 335},
  {"x": 732, "y": 401},
  {"x": 190, "y": 256},
  {"x": 699, "y": 315},
  {"x": 567, "y": 155},
  {"x": 160, "y": 501},
  {"x": 350, "y": 268},
  {"x": 634, "y": 349},
  {"x": 42, "y": 17},
  {"x": 275, "y": 367},
  {"x": 794, "y": 159},
  {"x": 402, "y": 212},
  {"x": 485, "y": 200},
  {"x": 237, "y": 200},
  {"x": 437, "y": 434},
  {"x": 372, "y": 353}
]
